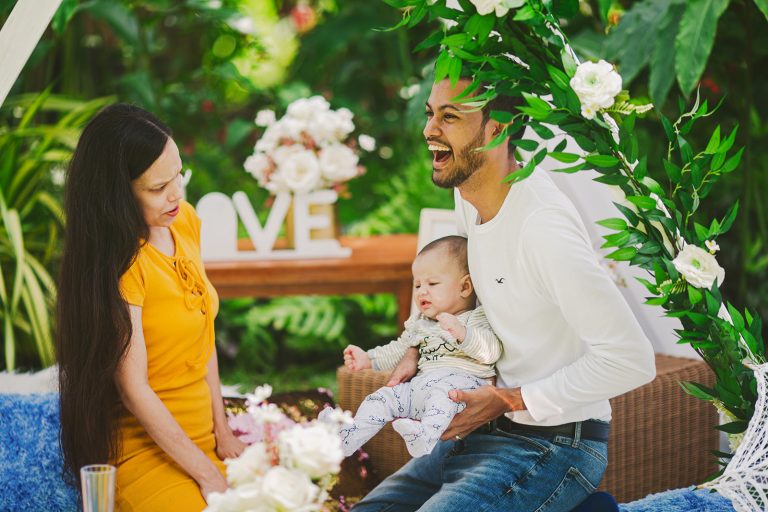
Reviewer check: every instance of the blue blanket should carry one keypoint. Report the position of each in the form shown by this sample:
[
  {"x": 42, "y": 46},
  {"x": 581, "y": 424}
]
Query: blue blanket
[{"x": 31, "y": 463}]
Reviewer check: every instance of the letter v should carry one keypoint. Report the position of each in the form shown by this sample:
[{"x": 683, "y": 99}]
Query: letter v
[{"x": 263, "y": 239}]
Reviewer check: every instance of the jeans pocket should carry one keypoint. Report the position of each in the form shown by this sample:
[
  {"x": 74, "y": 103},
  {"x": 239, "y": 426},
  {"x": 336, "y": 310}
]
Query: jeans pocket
[
  {"x": 598, "y": 450},
  {"x": 573, "y": 488}
]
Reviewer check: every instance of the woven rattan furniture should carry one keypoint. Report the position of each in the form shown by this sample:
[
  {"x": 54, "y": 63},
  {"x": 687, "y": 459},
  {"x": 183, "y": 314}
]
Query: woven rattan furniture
[{"x": 660, "y": 436}]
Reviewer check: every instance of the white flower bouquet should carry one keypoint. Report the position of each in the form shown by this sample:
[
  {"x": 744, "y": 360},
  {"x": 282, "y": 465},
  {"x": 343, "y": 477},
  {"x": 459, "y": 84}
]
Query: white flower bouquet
[
  {"x": 288, "y": 467},
  {"x": 309, "y": 148}
]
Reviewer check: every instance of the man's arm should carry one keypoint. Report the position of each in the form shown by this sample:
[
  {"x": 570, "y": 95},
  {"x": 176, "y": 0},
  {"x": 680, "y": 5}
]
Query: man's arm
[{"x": 618, "y": 356}]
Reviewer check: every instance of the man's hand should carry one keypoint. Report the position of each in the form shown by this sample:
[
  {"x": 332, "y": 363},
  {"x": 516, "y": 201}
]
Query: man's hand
[
  {"x": 450, "y": 323},
  {"x": 406, "y": 368},
  {"x": 483, "y": 405},
  {"x": 356, "y": 359}
]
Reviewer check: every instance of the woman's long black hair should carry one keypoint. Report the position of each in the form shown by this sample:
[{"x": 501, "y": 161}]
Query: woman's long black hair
[{"x": 104, "y": 231}]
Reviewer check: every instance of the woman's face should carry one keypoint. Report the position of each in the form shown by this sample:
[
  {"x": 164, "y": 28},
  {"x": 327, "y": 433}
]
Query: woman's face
[{"x": 159, "y": 190}]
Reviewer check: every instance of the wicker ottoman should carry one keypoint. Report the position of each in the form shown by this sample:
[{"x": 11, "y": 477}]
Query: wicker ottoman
[{"x": 660, "y": 437}]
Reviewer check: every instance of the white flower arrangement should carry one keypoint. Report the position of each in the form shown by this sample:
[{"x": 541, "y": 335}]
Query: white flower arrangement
[
  {"x": 309, "y": 148},
  {"x": 288, "y": 466},
  {"x": 596, "y": 84}
]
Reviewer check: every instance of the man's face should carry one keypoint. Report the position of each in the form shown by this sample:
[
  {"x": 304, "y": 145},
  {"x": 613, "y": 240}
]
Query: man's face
[{"x": 453, "y": 134}]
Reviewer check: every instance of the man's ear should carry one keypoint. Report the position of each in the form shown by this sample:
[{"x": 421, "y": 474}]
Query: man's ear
[{"x": 466, "y": 287}]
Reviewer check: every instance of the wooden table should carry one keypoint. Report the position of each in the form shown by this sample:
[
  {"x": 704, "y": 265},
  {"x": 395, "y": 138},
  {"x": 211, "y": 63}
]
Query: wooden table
[{"x": 379, "y": 264}]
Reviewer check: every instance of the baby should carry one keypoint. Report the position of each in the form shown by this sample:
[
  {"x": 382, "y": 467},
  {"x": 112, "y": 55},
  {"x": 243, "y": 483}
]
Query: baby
[{"x": 457, "y": 351}]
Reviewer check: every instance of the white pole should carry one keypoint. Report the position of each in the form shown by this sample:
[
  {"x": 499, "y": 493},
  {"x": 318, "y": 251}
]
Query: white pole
[{"x": 19, "y": 36}]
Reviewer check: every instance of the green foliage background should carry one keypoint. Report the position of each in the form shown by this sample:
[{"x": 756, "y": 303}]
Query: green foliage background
[{"x": 183, "y": 60}]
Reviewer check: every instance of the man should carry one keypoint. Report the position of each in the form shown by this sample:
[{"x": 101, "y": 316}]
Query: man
[{"x": 538, "y": 439}]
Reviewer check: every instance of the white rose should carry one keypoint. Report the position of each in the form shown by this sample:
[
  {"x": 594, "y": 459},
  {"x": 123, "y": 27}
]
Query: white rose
[
  {"x": 289, "y": 490},
  {"x": 298, "y": 170},
  {"x": 596, "y": 84},
  {"x": 338, "y": 163},
  {"x": 246, "y": 498},
  {"x": 307, "y": 108},
  {"x": 265, "y": 117},
  {"x": 251, "y": 464},
  {"x": 500, "y": 7},
  {"x": 698, "y": 267},
  {"x": 257, "y": 166},
  {"x": 259, "y": 394},
  {"x": 314, "y": 449},
  {"x": 367, "y": 143},
  {"x": 266, "y": 413},
  {"x": 712, "y": 246}
]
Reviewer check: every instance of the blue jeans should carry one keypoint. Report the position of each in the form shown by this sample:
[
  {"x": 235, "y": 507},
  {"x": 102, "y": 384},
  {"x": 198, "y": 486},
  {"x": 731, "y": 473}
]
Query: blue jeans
[{"x": 494, "y": 472}]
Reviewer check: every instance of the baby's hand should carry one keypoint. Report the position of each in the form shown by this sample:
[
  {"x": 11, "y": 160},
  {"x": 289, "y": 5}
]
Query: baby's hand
[
  {"x": 450, "y": 323},
  {"x": 356, "y": 358}
]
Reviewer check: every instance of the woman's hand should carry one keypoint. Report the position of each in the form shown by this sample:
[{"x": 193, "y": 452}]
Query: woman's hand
[
  {"x": 228, "y": 446},
  {"x": 214, "y": 483},
  {"x": 356, "y": 358}
]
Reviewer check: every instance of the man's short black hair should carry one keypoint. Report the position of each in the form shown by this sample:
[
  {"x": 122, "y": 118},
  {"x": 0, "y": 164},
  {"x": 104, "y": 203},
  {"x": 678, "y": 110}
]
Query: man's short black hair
[{"x": 455, "y": 245}]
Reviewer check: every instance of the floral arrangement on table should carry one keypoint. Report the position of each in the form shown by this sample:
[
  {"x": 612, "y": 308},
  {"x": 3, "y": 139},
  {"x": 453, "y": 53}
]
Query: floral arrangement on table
[
  {"x": 289, "y": 465},
  {"x": 310, "y": 148},
  {"x": 516, "y": 48}
]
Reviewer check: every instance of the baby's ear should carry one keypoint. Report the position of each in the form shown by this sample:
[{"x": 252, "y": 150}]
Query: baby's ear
[{"x": 467, "y": 289}]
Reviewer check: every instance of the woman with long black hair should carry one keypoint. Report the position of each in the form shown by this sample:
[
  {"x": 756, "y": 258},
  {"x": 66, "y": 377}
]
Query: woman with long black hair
[{"x": 138, "y": 370}]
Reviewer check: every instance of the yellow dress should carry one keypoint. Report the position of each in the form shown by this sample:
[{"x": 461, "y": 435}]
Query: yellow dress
[{"x": 178, "y": 307}]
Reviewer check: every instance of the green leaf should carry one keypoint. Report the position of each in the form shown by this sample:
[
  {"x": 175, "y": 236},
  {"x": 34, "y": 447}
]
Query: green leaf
[
  {"x": 526, "y": 144},
  {"x": 734, "y": 427},
  {"x": 736, "y": 319},
  {"x": 442, "y": 65},
  {"x": 615, "y": 224},
  {"x": 644, "y": 202},
  {"x": 601, "y": 160},
  {"x": 763, "y": 6},
  {"x": 673, "y": 171},
  {"x": 698, "y": 390},
  {"x": 727, "y": 222},
  {"x": 567, "y": 158},
  {"x": 432, "y": 40},
  {"x": 694, "y": 41},
  {"x": 662, "y": 73},
  {"x": 694, "y": 295},
  {"x": 542, "y": 131},
  {"x": 603, "y": 7},
  {"x": 701, "y": 231},
  {"x": 569, "y": 64},
  {"x": 631, "y": 43},
  {"x": 560, "y": 78},
  {"x": 714, "y": 142},
  {"x": 733, "y": 162},
  {"x": 728, "y": 142},
  {"x": 501, "y": 116},
  {"x": 454, "y": 70},
  {"x": 625, "y": 254}
]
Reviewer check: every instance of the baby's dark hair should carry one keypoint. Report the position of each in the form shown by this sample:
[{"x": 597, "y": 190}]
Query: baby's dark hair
[{"x": 456, "y": 247}]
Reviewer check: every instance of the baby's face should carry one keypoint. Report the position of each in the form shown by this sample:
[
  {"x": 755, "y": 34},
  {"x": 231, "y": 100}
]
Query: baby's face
[{"x": 437, "y": 284}]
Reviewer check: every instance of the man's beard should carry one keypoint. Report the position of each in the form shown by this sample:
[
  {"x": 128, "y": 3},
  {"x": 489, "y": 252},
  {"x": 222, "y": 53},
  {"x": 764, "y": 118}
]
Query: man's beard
[{"x": 464, "y": 165}]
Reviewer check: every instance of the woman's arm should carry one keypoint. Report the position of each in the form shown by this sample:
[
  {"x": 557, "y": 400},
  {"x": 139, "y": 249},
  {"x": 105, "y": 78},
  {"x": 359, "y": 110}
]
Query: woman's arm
[
  {"x": 227, "y": 445},
  {"x": 141, "y": 400}
]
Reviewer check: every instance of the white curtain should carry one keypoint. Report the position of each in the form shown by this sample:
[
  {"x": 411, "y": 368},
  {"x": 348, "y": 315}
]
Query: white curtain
[{"x": 19, "y": 36}]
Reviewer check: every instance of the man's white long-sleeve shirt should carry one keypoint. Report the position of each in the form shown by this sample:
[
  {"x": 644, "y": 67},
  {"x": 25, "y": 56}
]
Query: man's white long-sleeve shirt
[{"x": 570, "y": 340}]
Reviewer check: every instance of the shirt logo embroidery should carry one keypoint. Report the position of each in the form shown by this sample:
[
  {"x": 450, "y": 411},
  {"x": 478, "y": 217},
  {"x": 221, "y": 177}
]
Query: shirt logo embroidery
[{"x": 499, "y": 280}]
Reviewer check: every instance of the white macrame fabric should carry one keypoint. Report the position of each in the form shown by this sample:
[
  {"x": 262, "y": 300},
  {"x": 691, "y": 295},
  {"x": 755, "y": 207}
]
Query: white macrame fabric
[
  {"x": 745, "y": 480},
  {"x": 19, "y": 36}
]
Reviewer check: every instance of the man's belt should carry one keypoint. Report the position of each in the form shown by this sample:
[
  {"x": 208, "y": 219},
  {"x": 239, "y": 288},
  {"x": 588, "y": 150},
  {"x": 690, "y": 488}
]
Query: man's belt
[{"x": 590, "y": 429}]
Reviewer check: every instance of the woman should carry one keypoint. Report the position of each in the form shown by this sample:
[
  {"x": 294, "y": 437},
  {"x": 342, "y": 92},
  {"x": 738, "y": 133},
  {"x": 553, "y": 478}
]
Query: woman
[{"x": 138, "y": 369}]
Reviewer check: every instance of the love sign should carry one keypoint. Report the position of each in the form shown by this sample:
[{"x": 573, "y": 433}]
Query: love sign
[{"x": 220, "y": 214}]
